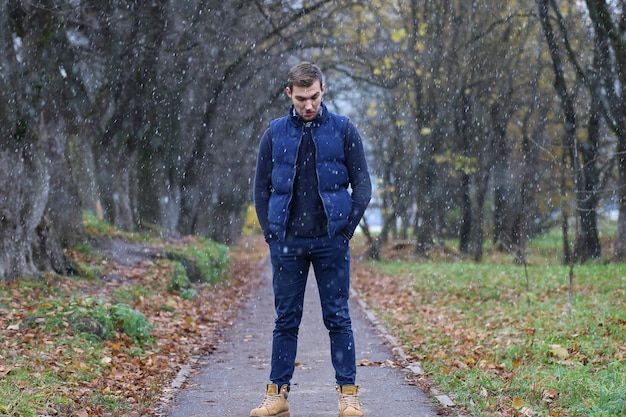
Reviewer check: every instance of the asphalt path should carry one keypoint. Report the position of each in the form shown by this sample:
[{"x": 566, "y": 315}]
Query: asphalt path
[{"x": 231, "y": 381}]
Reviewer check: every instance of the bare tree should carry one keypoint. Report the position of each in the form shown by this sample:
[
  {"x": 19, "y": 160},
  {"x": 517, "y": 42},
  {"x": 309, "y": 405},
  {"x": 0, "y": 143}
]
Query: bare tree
[{"x": 609, "y": 23}]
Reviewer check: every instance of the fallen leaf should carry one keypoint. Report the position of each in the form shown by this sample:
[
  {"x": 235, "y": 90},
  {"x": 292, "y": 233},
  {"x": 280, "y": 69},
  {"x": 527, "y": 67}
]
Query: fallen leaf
[
  {"x": 518, "y": 403},
  {"x": 559, "y": 351},
  {"x": 549, "y": 395}
]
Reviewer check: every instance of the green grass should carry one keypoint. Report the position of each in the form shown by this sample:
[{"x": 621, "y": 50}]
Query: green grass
[
  {"x": 501, "y": 345},
  {"x": 204, "y": 261},
  {"x": 39, "y": 381},
  {"x": 72, "y": 343}
]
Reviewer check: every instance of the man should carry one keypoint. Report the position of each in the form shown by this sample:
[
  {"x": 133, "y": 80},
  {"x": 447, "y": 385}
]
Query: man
[{"x": 306, "y": 164}]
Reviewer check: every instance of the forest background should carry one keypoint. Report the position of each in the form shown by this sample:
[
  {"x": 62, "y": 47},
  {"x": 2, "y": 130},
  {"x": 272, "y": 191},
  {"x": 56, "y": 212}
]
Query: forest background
[{"x": 483, "y": 120}]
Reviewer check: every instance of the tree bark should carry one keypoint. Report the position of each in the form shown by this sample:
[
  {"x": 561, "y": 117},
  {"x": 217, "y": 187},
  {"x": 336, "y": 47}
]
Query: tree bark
[
  {"x": 501, "y": 209},
  {"x": 587, "y": 244},
  {"x": 462, "y": 129},
  {"x": 465, "y": 227},
  {"x": 23, "y": 173},
  {"x": 23, "y": 196},
  {"x": 41, "y": 209},
  {"x": 620, "y": 239}
]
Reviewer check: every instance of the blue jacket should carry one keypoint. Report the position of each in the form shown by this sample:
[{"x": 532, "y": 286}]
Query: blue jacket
[{"x": 340, "y": 165}]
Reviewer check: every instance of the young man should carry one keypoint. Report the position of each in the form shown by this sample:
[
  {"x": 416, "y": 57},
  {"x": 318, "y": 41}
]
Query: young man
[{"x": 306, "y": 164}]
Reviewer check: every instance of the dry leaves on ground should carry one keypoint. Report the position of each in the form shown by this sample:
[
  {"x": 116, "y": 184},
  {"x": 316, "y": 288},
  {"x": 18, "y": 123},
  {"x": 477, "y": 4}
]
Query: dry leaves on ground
[{"x": 182, "y": 329}]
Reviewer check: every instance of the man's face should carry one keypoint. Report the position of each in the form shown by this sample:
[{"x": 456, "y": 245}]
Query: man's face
[{"x": 307, "y": 100}]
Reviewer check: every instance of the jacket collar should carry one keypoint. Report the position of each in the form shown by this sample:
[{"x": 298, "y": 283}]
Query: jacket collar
[{"x": 297, "y": 121}]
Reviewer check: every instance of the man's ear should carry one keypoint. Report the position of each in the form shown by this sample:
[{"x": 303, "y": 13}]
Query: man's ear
[{"x": 288, "y": 91}]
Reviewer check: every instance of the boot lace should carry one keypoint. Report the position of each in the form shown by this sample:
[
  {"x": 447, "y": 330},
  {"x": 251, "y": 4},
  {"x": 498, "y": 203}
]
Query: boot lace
[
  {"x": 350, "y": 401},
  {"x": 269, "y": 400}
]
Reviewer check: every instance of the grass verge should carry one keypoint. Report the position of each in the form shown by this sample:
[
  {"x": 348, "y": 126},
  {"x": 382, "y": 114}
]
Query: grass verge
[
  {"x": 504, "y": 345},
  {"x": 106, "y": 342}
]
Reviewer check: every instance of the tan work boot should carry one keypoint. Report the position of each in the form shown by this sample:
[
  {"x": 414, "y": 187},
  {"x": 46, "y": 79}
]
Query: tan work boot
[
  {"x": 274, "y": 404},
  {"x": 349, "y": 405}
]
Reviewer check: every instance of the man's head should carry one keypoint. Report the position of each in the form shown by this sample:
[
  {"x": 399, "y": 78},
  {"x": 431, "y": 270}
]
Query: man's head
[{"x": 305, "y": 88}]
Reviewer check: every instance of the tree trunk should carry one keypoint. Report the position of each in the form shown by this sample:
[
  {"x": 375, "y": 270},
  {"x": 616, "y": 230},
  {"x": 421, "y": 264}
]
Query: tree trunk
[
  {"x": 611, "y": 44},
  {"x": 478, "y": 224},
  {"x": 158, "y": 195},
  {"x": 80, "y": 158},
  {"x": 588, "y": 241},
  {"x": 501, "y": 188},
  {"x": 462, "y": 129},
  {"x": 23, "y": 196},
  {"x": 41, "y": 209},
  {"x": 425, "y": 211},
  {"x": 59, "y": 119},
  {"x": 63, "y": 215},
  {"x": 519, "y": 229},
  {"x": 115, "y": 172},
  {"x": 569, "y": 138},
  {"x": 466, "y": 215},
  {"x": 620, "y": 239}
]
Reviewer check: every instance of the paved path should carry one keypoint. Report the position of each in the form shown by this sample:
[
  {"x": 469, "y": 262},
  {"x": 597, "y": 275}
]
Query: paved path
[{"x": 232, "y": 380}]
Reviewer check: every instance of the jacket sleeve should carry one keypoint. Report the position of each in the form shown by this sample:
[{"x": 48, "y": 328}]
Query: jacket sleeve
[
  {"x": 263, "y": 183},
  {"x": 359, "y": 176}
]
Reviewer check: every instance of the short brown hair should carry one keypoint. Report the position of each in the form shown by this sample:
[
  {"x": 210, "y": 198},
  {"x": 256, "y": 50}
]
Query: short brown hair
[{"x": 304, "y": 75}]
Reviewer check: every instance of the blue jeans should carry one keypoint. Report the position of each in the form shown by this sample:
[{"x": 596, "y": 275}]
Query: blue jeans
[{"x": 330, "y": 258}]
